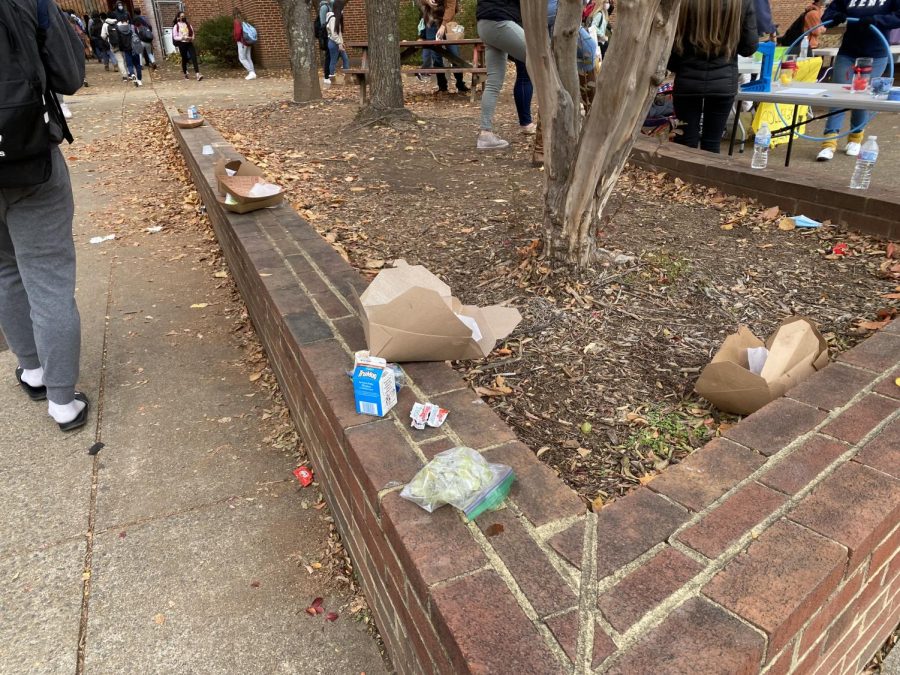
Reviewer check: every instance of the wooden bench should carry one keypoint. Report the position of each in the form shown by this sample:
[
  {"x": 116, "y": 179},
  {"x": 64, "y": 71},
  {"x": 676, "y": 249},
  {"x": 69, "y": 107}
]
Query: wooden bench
[{"x": 457, "y": 64}]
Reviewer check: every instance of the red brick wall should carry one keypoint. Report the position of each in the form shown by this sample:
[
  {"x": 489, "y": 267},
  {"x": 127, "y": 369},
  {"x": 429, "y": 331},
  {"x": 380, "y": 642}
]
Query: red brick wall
[
  {"x": 775, "y": 549},
  {"x": 272, "y": 50}
]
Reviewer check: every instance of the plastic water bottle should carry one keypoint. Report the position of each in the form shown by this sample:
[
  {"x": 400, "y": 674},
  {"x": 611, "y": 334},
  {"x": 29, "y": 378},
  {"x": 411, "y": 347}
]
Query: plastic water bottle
[
  {"x": 804, "y": 48},
  {"x": 761, "y": 147},
  {"x": 868, "y": 155},
  {"x": 192, "y": 112}
]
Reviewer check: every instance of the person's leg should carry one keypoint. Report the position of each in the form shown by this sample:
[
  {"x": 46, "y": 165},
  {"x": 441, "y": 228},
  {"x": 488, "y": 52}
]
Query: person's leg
[
  {"x": 39, "y": 225},
  {"x": 244, "y": 57},
  {"x": 500, "y": 38},
  {"x": 436, "y": 60},
  {"x": 120, "y": 64},
  {"x": 326, "y": 61},
  {"x": 148, "y": 53},
  {"x": 860, "y": 118},
  {"x": 136, "y": 64},
  {"x": 183, "y": 50},
  {"x": 15, "y": 310},
  {"x": 523, "y": 90},
  {"x": 192, "y": 51},
  {"x": 841, "y": 73},
  {"x": 716, "y": 110},
  {"x": 333, "y": 50},
  {"x": 460, "y": 82},
  {"x": 688, "y": 109}
]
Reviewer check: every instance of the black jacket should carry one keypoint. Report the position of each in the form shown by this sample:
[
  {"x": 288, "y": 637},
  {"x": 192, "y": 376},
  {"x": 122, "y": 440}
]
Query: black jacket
[
  {"x": 499, "y": 10},
  {"x": 697, "y": 75},
  {"x": 61, "y": 59}
]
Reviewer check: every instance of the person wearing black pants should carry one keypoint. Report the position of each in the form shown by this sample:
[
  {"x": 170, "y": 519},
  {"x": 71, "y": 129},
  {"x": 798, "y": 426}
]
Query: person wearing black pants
[
  {"x": 709, "y": 37},
  {"x": 183, "y": 37}
]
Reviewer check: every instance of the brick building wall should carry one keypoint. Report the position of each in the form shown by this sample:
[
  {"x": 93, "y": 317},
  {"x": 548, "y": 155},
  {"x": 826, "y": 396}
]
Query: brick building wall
[{"x": 272, "y": 49}]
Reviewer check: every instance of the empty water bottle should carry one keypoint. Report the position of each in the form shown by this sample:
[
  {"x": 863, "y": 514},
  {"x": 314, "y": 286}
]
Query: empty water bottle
[
  {"x": 865, "y": 162},
  {"x": 804, "y": 48},
  {"x": 761, "y": 147}
]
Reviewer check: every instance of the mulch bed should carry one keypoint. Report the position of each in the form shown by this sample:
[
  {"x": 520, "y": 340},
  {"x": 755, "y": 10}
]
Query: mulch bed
[{"x": 598, "y": 377}]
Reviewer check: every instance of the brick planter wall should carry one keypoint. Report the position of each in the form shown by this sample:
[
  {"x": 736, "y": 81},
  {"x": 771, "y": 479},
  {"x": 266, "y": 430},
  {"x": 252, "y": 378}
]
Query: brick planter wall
[
  {"x": 775, "y": 549},
  {"x": 874, "y": 211}
]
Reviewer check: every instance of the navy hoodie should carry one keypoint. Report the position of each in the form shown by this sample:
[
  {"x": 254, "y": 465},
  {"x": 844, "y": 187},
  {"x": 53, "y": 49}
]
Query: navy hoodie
[{"x": 860, "y": 40}]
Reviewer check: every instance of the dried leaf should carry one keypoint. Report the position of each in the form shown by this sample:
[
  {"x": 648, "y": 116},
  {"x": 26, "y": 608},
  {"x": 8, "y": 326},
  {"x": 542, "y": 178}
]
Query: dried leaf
[
  {"x": 596, "y": 503},
  {"x": 159, "y": 619},
  {"x": 771, "y": 213},
  {"x": 787, "y": 224},
  {"x": 331, "y": 616},
  {"x": 255, "y": 376},
  {"x": 873, "y": 325},
  {"x": 493, "y": 530},
  {"x": 584, "y": 452}
]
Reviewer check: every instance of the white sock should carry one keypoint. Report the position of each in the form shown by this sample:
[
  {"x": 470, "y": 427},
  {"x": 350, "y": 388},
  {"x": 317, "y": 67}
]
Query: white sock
[
  {"x": 34, "y": 378},
  {"x": 65, "y": 413}
]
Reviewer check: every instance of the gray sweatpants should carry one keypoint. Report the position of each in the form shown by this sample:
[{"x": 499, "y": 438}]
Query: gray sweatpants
[
  {"x": 501, "y": 39},
  {"x": 38, "y": 314}
]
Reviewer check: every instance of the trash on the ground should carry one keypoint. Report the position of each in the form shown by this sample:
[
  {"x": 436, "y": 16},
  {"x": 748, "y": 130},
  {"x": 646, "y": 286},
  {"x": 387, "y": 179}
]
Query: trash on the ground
[
  {"x": 304, "y": 475},
  {"x": 95, "y": 448},
  {"x": 243, "y": 188},
  {"x": 756, "y": 358},
  {"x": 803, "y": 221},
  {"x": 463, "y": 478},
  {"x": 208, "y": 150},
  {"x": 410, "y": 315},
  {"x": 154, "y": 229},
  {"x": 373, "y": 385},
  {"x": 100, "y": 240},
  {"x": 840, "y": 249},
  {"x": 200, "y": 305},
  {"x": 429, "y": 414},
  {"x": 795, "y": 350},
  {"x": 331, "y": 616},
  {"x": 316, "y": 607}
]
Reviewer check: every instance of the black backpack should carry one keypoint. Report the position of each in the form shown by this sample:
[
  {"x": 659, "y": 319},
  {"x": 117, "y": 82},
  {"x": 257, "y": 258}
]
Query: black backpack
[
  {"x": 25, "y": 143},
  {"x": 96, "y": 28},
  {"x": 145, "y": 34},
  {"x": 321, "y": 33},
  {"x": 112, "y": 36},
  {"x": 794, "y": 31}
]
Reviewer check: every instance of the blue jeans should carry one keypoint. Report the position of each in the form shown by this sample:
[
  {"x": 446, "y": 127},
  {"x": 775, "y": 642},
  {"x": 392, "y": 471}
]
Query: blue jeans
[
  {"x": 523, "y": 90},
  {"x": 133, "y": 64},
  {"x": 438, "y": 62},
  {"x": 842, "y": 74},
  {"x": 334, "y": 52}
]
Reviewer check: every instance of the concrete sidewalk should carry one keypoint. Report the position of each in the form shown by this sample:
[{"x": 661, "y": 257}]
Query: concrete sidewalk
[{"x": 178, "y": 548}]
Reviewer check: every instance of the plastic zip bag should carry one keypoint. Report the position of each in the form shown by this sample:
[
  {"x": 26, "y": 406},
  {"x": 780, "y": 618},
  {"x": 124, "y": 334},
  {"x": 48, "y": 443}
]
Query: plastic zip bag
[{"x": 463, "y": 478}]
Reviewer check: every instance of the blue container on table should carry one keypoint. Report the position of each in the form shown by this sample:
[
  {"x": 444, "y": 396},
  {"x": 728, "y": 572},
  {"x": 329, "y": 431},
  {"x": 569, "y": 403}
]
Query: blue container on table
[{"x": 764, "y": 83}]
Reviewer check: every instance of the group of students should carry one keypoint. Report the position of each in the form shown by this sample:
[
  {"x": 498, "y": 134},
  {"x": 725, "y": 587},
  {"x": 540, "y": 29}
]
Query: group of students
[{"x": 709, "y": 37}]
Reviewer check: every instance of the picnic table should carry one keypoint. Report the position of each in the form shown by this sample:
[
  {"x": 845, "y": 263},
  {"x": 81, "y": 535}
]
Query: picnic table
[
  {"x": 457, "y": 64},
  {"x": 836, "y": 97}
]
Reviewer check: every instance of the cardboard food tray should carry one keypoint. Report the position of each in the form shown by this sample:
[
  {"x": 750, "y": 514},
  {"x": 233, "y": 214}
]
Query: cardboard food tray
[
  {"x": 240, "y": 188},
  {"x": 796, "y": 351},
  {"x": 247, "y": 207},
  {"x": 408, "y": 314},
  {"x": 184, "y": 122},
  {"x": 240, "y": 168}
]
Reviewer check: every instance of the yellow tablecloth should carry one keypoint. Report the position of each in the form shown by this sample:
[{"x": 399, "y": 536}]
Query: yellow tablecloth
[{"x": 807, "y": 71}]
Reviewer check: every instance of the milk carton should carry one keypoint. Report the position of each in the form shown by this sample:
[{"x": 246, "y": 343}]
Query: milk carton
[{"x": 373, "y": 385}]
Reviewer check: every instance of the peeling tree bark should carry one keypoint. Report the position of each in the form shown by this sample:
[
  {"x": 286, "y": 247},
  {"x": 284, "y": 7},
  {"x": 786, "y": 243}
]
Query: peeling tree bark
[
  {"x": 385, "y": 84},
  {"x": 302, "y": 44},
  {"x": 583, "y": 159}
]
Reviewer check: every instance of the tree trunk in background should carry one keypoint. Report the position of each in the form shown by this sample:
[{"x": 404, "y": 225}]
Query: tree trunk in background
[
  {"x": 583, "y": 159},
  {"x": 298, "y": 22},
  {"x": 384, "y": 83}
]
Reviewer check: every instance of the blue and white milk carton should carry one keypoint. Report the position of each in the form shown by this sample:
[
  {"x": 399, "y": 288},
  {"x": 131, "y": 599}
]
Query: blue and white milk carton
[{"x": 373, "y": 385}]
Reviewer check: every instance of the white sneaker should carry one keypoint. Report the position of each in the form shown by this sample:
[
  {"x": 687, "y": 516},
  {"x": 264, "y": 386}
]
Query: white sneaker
[
  {"x": 327, "y": 80},
  {"x": 251, "y": 76},
  {"x": 825, "y": 154},
  {"x": 199, "y": 77},
  {"x": 488, "y": 140},
  {"x": 65, "y": 111},
  {"x": 529, "y": 129},
  {"x": 138, "y": 83},
  {"x": 853, "y": 149}
]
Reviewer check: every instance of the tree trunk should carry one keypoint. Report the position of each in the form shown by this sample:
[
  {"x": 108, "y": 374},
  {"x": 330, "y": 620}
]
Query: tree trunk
[
  {"x": 298, "y": 22},
  {"x": 384, "y": 84},
  {"x": 583, "y": 160}
]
